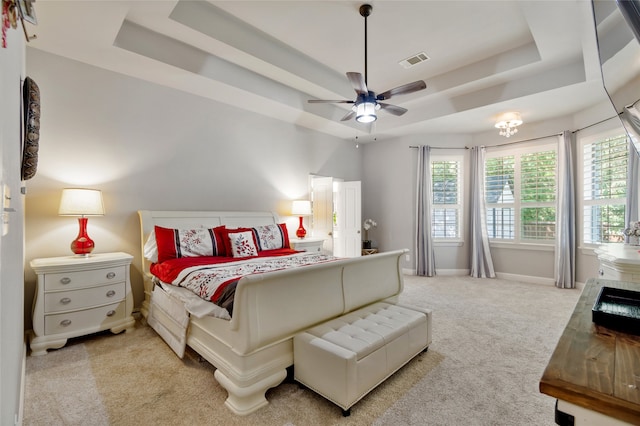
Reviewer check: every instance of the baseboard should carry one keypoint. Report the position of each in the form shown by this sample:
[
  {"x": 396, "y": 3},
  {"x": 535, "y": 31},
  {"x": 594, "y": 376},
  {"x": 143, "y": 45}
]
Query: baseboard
[
  {"x": 441, "y": 272},
  {"x": 525, "y": 278},
  {"x": 502, "y": 275},
  {"x": 452, "y": 272}
]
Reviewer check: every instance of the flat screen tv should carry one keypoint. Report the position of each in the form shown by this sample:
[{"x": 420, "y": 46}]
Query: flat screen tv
[{"x": 617, "y": 26}]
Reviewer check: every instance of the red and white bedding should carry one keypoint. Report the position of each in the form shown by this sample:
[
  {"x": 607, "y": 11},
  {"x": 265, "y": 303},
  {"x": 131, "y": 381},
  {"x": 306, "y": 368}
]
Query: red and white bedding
[{"x": 214, "y": 278}]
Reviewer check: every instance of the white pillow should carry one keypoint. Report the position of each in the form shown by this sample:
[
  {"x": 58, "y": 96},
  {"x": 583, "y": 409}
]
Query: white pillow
[
  {"x": 151, "y": 248},
  {"x": 242, "y": 244}
]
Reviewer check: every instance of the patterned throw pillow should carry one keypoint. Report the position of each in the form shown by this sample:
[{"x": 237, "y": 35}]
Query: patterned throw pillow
[
  {"x": 272, "y": 237},
  {"x": 242, "y": 244},
  {"x": 176, "y": 243}
]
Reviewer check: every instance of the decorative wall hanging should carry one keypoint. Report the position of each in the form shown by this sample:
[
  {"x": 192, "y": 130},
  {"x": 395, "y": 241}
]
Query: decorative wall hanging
[{"x": 31, "y": 105}]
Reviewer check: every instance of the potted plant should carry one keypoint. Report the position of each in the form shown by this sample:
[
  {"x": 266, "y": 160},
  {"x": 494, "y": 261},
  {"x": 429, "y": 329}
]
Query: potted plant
[
  {"x": 632, "y": 232},
  {"x": 368, "y": 224}
]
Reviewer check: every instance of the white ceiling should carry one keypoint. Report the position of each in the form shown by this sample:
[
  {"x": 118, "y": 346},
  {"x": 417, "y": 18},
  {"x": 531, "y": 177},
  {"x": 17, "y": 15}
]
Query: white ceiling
[{"x": 486, "y": 57}]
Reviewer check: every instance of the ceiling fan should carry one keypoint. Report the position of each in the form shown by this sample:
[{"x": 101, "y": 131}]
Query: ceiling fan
[{"x": 367, "y": 102}]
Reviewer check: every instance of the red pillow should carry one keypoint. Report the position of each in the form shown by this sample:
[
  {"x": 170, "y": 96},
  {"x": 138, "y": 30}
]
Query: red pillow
[
  {"x": 219, "y": 232},
  {"x": 177, "y": 243}
]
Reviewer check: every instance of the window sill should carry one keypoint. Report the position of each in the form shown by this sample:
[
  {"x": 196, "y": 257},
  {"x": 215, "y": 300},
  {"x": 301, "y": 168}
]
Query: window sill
[
  {"x": 523, "y": 246},
  {"x": 588, "y": 250},
  {"x": 442, "y": 243}
]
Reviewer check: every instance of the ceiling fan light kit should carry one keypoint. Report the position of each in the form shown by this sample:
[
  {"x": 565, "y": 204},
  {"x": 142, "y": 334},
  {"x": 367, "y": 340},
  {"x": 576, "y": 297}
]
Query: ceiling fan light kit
[
  {"x": 367, "y": 102},
  {"x": 366, "y": 111}
]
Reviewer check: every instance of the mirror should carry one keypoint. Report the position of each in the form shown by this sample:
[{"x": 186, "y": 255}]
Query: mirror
[{"x": 617, "y": 26}]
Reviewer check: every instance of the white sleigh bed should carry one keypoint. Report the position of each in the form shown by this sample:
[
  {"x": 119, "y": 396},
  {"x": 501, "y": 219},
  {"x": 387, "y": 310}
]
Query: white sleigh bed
[{"x": 253, "y": 349}]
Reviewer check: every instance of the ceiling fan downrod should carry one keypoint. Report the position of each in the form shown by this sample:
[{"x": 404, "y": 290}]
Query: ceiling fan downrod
[{"x": 365, "y": 11}]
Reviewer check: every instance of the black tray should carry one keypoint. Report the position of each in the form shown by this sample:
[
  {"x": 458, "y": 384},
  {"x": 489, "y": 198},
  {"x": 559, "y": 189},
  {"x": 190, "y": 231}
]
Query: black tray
[{"x": 617, "y": 309}]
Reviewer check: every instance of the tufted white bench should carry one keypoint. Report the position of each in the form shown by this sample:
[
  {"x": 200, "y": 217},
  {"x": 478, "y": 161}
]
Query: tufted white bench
[{"x": 345, "y": 358}]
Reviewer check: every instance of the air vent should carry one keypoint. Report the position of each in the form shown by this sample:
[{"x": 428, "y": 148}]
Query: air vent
[{"x": 414, "y": 60}]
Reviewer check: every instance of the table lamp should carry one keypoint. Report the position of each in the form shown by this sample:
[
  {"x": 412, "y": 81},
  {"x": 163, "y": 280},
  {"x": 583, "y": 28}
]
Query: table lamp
[
  {"x": 81, "y": 202},
  {"x": 301, "y": 208}
]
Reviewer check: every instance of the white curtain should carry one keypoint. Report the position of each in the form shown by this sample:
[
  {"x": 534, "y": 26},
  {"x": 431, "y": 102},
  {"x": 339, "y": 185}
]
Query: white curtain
[
  {"x": 565, "y": 266},
  {"x": 425, "y": 259},
  {"x": 631, "y": 119},
  {"x": 481, "y": 262},
  {"x": 631, "y": 210}
]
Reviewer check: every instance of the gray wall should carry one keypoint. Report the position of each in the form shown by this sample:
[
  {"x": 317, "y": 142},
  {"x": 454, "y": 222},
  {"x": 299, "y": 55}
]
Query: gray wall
[
  {"x": 152, "y": 147},
  {"x": 389, "y": 174},
  {"x": 12, "y": 343}
]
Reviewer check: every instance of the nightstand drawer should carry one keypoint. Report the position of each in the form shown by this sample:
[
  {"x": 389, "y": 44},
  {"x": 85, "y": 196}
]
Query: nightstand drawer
[
  {"x": 77, "y": 299},
  {"x": 79, "y": 320},
  {"x": 79, "y": 279}
]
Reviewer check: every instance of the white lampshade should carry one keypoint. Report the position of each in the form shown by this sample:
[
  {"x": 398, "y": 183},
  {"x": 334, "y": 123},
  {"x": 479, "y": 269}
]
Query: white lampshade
[
  {"x": 301, "y": 208},
  {"x": 81, "y": 202}
]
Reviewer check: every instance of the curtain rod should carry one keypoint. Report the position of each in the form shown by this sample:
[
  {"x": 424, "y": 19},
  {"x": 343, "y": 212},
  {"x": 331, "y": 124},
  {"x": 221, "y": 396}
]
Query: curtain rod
[
  {"x": 440, "y": 147},
  {"x": 595, "y": 124},
  {"x": 525, "y": 140},
  {"x": 532, "y": 139}
]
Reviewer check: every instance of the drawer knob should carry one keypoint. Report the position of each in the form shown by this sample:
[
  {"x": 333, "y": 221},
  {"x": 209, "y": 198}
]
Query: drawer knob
[
  {"x": 65, "y": 322},
  {"x": 111, "y": 313},
  {"x": 65, "y": 300},
  {"x": 111, "y": 293},
  {"x": 601, "y": 272},
  {"x": 111, "y": 275},
  {"x": 65, "y": 280}
]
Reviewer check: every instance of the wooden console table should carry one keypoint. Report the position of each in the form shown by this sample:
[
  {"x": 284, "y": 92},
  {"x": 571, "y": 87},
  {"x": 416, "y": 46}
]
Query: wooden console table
[{"x": 595, "y": 368}]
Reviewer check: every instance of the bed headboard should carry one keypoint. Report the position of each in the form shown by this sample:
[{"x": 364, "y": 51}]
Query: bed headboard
[{"x": 197, "y": 219}]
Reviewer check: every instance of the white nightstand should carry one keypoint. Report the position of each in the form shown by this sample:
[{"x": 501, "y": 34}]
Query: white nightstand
[
  {"x": 307, "y": 244},
  {"x": 619, "y": 262},
  {"x": 80, "y": 295}
]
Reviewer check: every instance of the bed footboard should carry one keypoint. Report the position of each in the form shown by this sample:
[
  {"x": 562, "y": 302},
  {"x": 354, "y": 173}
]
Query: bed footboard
[{"x": 253, "y": 350}]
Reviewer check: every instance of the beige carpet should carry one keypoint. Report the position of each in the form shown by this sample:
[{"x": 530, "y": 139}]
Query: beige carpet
[{"x": 492, "y": 339}]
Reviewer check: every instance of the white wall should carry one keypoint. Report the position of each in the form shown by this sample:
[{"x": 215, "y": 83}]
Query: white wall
[
  {"x": 12, "y": 343},
  {"x": 150, "y": 147}
]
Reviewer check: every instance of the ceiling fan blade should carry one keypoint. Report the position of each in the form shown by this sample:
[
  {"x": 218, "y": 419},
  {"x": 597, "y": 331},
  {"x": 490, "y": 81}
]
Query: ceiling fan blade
[
  {"x": 323, "y": 101},
  {"x": 401, "y": 90},
  {"x": 348, "y": 116},
  {"x": 393, "y": 109},
  {"x": 357, "y": 81}
]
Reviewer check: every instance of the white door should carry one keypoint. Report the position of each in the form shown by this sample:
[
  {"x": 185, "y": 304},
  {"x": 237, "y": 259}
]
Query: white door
[
  {"x": 347, "y": 239},
  {"x": 322, "y": 199}
]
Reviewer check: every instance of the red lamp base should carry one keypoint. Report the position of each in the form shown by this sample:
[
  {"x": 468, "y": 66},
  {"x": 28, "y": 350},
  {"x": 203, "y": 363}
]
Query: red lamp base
[
  {"x": 301, "y": 232},
  {"x": 82, "y": 245}
]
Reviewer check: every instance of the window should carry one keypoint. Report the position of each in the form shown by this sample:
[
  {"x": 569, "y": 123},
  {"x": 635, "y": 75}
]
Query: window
[
  {"x": 446, "y": 213},
  {"x": 520, "y": 194},
  {"x": 604, "y": 188}
]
